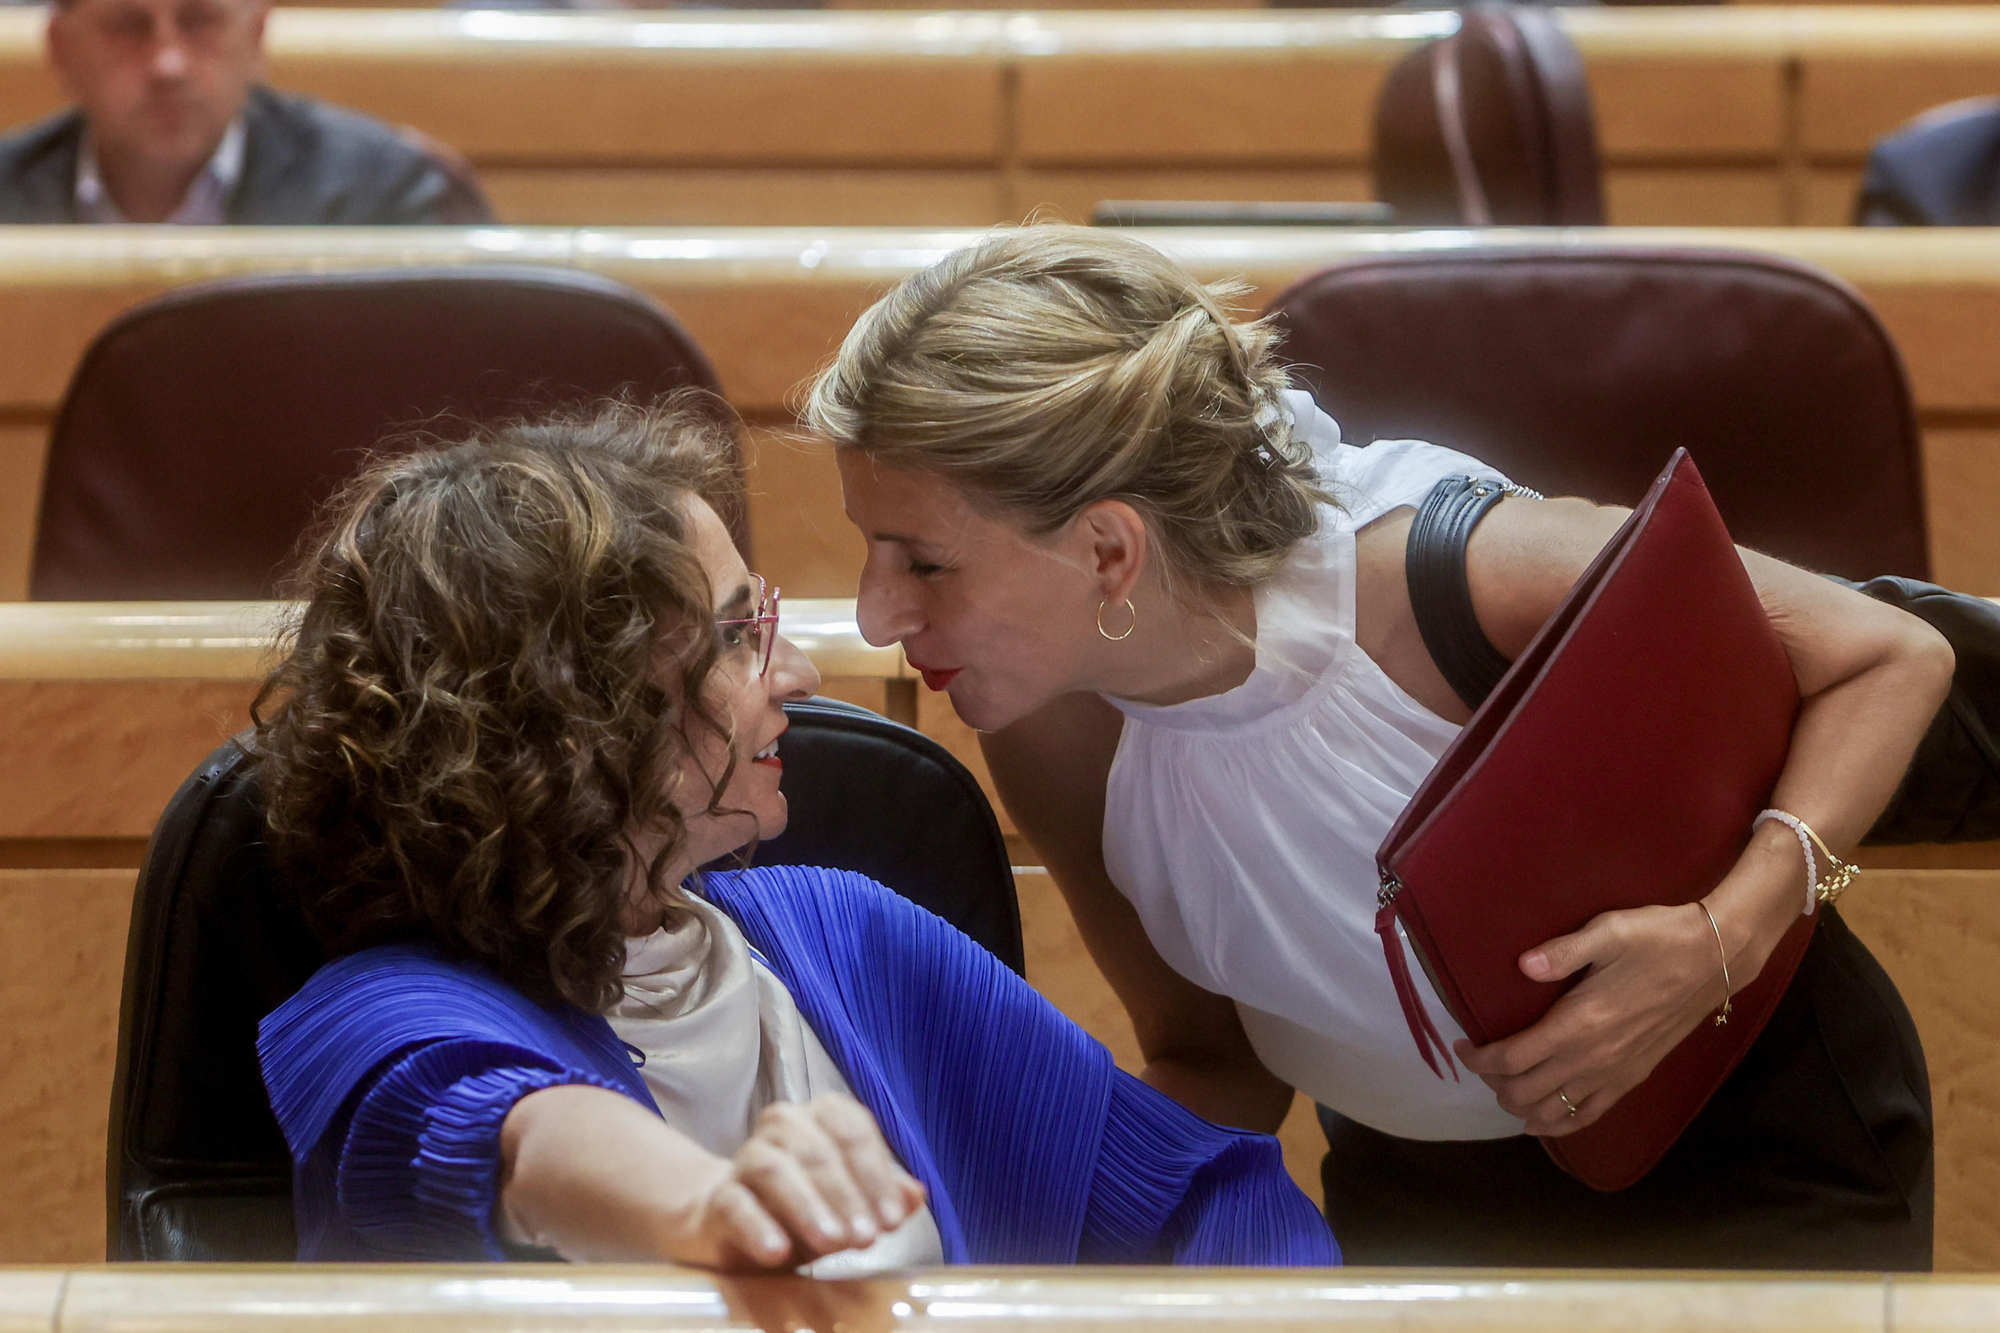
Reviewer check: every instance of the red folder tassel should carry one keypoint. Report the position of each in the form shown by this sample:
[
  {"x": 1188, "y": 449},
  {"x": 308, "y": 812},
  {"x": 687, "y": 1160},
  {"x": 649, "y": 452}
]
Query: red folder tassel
[{"x": 1421, "y": 1028}]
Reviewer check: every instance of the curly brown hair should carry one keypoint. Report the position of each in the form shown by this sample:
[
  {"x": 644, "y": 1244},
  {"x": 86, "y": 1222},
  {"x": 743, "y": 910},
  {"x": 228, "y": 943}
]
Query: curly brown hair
[{"x": 497, "y": 675}]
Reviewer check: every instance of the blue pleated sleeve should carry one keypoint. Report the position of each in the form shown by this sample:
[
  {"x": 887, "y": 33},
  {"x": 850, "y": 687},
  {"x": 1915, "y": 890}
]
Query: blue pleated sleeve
[
  {"x": 1034, "y": 1146},
  {"x": 390, "y": 1074}
]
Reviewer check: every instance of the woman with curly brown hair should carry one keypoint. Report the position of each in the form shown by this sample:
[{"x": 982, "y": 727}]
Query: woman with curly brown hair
[{"x": 533, "y": 690}]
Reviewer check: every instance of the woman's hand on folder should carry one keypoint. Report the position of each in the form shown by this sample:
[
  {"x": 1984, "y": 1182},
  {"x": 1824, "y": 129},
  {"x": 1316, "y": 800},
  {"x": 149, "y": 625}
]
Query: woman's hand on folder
[{"x": 1650, "y": 977}]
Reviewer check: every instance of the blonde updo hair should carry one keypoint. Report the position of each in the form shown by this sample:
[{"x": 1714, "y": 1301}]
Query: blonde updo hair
[{"x": 1050, "y": 367}]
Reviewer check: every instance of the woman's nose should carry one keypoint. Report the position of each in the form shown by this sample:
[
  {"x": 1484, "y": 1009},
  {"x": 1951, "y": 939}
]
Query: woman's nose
[
  {"x": 792, "y": 674},
  {"x": 883, "y": 615}
]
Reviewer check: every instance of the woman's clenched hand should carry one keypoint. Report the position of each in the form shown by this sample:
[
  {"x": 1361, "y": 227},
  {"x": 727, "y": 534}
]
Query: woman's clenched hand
[
  {"x": 813, "y": 1179},
  {"x": 1649, "y": 976}
]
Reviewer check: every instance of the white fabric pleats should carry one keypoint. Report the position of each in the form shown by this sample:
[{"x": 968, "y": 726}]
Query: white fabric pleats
[{"x": 1243, "y": 826}]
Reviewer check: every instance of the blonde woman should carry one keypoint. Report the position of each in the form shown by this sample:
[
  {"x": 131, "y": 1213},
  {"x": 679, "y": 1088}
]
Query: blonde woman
[{"x": 1174, "y": 605}]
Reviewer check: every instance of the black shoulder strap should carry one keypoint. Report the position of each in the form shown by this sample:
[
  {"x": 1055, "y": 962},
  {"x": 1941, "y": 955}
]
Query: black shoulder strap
[{"x": 1434, "y": 563}]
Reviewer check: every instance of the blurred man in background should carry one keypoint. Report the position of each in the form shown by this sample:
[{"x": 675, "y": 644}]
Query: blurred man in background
[{"x": 170, "y": 124}]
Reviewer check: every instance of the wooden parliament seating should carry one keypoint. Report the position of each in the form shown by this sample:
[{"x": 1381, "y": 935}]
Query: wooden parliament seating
[
  {"x": 1717, "y": 115},
  {"x": 105, "y": 707},
  {"x": 93, "y": 736},
  {"x": 770, "y": 305}
]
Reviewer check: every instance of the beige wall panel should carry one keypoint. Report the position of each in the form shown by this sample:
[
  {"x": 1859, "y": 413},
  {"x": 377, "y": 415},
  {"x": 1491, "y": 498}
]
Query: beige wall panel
[
  {"x": 24, "y": 448},
  {"x": 1061, "y": 968},
  {"x": 936, "y": 720},
  {"x": 621, "y": 107},
  {"x": 1947, "y": 336},
  {"x": 1937, "y": 933},
  {"x": 1829, "y": 196},
  {"x": 43, "y": 332},
  {"x": 98, "y": 759},
  {"x": 1962, "y": 500},
  {"x": 1688, "y": 106},
  {"x": 802, "y": 540},
  {"x": 1071, "y": 193},
  {"x": 1298, "y": 108},
  {"x": 1847, "y": 103},
  {"x": 868, "y": 693},
  {"x": 682, "y": 196},
  {"x": 28, "y": 90},
  {"x": 62, "y": 961},
  {"x": 766, "y": 343},
  {"x": 1694, "y": 196}
]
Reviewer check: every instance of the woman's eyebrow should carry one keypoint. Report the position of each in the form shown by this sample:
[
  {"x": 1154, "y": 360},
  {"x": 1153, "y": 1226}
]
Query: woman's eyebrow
[{"x": 738, "y": 601}]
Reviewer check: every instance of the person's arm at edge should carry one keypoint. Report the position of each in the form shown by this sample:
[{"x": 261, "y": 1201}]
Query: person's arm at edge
[{"x": 600, "y": 1177}]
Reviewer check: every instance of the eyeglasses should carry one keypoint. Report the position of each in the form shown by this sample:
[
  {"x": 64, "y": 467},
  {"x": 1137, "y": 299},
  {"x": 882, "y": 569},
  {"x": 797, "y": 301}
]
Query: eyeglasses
[{"x": 761, "y": 632}]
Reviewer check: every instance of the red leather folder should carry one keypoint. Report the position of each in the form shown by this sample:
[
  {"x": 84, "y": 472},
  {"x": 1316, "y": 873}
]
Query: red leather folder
[{"x": 1618, "y": 764}]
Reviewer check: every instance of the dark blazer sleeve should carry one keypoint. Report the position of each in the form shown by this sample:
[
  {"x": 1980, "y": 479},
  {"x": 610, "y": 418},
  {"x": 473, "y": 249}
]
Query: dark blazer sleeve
[
  {"x": 38, "y": 170},
  {"x": 306, "y": 163},
  {"x": 1935, "y": 173}
]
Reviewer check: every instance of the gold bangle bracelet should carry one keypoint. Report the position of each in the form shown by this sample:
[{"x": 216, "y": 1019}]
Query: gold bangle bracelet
[
  {"x": 1841, "y": 875},
  {"x": 1727, "y": 990}
]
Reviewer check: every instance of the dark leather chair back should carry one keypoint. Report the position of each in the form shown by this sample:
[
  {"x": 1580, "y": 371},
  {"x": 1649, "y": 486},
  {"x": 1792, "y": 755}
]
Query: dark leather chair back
[
  {"x": 1579, "y": 371},
  {"x": 197, "y": 1168},
  {"x": 1490, "y": 126},
  {"x": 203, "y": 427}
]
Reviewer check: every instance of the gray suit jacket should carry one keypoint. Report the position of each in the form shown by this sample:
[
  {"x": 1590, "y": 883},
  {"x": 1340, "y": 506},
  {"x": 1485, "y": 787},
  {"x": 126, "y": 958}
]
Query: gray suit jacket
[{"x": 304, "y": 163}]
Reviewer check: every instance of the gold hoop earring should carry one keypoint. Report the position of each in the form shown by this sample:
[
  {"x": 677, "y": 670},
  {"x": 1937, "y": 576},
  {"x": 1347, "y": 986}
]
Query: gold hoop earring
[{"x": 1117, "y": 638}]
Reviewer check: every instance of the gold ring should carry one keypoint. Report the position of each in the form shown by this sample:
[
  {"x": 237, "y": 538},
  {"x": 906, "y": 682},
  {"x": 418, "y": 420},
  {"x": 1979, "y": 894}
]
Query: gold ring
[{"x": 1566, "y": 1101}]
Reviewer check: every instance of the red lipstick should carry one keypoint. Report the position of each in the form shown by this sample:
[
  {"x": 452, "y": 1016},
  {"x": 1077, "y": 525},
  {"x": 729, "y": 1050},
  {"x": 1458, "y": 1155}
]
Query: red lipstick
[{"x": 938, "y": 680}]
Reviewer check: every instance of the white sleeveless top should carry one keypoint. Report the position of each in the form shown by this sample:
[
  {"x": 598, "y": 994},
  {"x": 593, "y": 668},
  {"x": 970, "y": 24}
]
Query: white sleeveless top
[{"x": 1243, "y": 826}]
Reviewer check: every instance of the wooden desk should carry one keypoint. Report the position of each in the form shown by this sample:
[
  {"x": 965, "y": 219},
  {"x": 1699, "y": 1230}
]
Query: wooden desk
[
  {"x": 471, "y": 1298},
  {"x": 1714, "y": 115},
  {"x": 771, "y": 304}
]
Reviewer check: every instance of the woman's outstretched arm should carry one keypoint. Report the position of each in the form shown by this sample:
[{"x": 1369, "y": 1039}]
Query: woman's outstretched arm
[
  {"x": 593, "y": 1175},
  {"x": 1870, "y": 678}
]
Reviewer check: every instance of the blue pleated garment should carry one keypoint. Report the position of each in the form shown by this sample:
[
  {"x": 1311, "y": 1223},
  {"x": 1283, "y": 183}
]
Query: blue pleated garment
[{"x": 392, "y": 1070}]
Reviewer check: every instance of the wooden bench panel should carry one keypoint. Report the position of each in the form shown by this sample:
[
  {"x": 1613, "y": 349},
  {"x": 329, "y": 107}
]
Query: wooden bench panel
[
  {"x": 1728, "y": 196},
  {"x": 62, "y": 966},
  {"x": 771, "y": 305},
  {"x": 1071, "y": 193},
  {"x": 743, "y": 110},
  {"x": 747, "y": 196},
  {"x": 716, "y": 118},
  {"x": 1846, "y": 103},
  {"x": 1207, "y": 110},
  {"x": 1680, "y": 107}
]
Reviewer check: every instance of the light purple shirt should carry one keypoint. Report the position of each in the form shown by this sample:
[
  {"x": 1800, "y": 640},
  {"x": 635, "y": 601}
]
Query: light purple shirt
[{"x": 206, "y": 203}]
